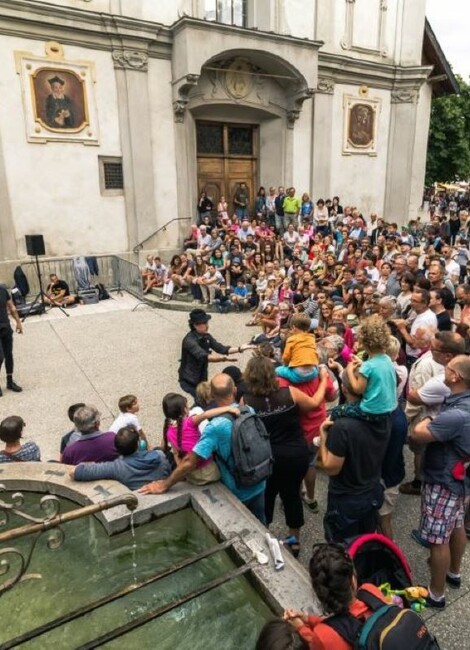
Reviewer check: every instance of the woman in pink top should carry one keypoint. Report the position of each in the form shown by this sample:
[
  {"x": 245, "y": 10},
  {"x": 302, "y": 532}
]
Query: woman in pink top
[{"x": 181, "y": 433}]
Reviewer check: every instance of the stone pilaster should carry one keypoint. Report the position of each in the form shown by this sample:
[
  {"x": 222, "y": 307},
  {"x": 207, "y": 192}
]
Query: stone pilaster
[
  {"x": 322, "y": 137},
  {"x": 137, "y": 159},
  {"x": 400, "y": 154},
  {"x": 8, "y": 247}
]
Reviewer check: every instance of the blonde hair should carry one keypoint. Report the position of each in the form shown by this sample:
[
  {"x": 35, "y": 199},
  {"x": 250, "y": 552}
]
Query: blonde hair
[
  {"x": 393, "y": 348},
  {"x": 203, "y": 393},
  {"x": 375, "y": 335},
  {"x": 300, "y": 321}
]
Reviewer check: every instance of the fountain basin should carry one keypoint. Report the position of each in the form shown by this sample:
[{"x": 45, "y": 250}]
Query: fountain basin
[{"x": 186, "y": 521}]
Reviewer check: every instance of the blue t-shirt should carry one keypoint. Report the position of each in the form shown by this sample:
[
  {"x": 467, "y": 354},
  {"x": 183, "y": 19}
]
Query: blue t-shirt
[
  {"x": 381, "y": 393},
  {"x": 217, "y": 437},
  {"x": 451, "y": 430}
]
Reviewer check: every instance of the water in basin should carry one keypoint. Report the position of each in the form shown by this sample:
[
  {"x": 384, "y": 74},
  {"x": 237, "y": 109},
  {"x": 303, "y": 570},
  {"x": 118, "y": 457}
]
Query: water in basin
[{"x": 91, "y": 565}]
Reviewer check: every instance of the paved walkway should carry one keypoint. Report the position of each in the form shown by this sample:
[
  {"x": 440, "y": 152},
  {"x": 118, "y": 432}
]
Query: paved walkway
[{"x": 105, "y": 351}]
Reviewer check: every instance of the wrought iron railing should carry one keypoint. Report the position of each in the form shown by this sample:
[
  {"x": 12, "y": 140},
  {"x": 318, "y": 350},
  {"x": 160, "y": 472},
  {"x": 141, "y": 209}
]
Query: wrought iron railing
[{"x": 14, "y": 563}]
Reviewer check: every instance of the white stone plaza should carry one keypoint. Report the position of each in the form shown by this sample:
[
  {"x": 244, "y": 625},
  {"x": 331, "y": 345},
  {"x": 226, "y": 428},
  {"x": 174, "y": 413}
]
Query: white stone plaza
[{"x": 103, "y": 352}]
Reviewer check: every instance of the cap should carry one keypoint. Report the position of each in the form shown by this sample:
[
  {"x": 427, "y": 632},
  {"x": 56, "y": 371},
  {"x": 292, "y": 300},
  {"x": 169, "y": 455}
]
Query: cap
[
  {"x": 198, "y": 316},
  {"x": 56, "y": 80}
]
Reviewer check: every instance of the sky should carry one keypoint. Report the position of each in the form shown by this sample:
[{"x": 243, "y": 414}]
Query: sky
[{"x": 450, "y": 21}]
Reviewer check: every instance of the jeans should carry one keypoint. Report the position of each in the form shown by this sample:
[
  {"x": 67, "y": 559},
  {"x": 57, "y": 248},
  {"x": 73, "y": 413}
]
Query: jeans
[
  {"x": 349, "y": 515},
  {"x": 256, "y": 507},
  {"x": 279, "y": 220},
  {"x": 295, "y": 376},
  {"x": 241, "y": 212},
  {"x": 187, "y": 387},
  {"x": 6, "y": 350}
]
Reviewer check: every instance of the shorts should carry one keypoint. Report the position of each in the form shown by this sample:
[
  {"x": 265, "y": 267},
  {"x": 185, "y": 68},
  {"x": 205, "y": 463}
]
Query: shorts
[
  {"x": 390, "y": 500},
  {"x": 441, "y": 512},
  {"x": 312, "y": 455}
]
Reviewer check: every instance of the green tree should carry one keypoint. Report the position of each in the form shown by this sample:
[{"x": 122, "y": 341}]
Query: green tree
[{"x": 448, "y": 157}]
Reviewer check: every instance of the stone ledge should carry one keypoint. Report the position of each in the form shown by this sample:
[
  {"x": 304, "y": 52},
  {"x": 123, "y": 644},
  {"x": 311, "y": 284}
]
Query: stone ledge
[{"x": 223, "y": 513}]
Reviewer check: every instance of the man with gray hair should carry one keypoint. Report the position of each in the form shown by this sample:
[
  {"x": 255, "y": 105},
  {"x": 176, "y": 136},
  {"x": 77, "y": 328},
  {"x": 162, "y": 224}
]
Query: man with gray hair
[
  {"x": 91, "y": 445},
  {"x": 446, "y": 481}
]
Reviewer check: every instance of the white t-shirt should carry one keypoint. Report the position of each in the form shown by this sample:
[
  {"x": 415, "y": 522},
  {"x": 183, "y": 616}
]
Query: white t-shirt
[
  {"x": 125, "y": 420},
  {"x": 433, "y": 394},
  {"x": 452, "y": 268},
  {"x": 426, "y": 319}
]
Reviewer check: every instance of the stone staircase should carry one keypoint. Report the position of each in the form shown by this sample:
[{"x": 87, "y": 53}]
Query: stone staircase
[{"x": 179, "y": 302}]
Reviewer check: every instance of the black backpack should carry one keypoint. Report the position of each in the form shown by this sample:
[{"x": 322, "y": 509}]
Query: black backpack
[
  {"x": 388, "y": 628},
  {"x": 251, "y": 449},
  {"x": 102, "y": 292}
]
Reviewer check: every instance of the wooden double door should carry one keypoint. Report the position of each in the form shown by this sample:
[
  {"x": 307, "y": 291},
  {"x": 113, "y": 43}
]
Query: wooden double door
[{"x": 227, "y": 155}]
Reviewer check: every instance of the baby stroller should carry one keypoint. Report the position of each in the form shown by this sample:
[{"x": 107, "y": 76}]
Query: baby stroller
[{"x": 378, "y": 560}]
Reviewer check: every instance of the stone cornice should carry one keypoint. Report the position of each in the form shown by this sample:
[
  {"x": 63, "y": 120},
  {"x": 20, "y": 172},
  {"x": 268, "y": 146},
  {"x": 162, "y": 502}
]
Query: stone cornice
[
  {"x": 220, "y": 28},
  {"x": 38, "y": 20},
  {"x": 349, "y": 70}
]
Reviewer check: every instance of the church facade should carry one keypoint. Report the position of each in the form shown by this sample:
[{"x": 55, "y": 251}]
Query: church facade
[{"x": 116, "y": 114}]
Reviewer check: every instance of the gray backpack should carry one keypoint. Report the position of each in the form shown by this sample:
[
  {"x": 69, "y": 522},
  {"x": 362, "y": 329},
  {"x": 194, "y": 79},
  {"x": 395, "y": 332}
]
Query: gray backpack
[{"x": 251, "y": 449}]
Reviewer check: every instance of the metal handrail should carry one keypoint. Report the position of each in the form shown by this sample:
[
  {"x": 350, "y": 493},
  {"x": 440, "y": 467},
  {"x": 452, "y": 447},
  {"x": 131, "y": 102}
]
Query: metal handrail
[{"x": 138, "y": 247}]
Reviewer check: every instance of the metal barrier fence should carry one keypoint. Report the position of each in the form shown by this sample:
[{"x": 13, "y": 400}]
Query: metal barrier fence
[{"x": 114, "y": 272}]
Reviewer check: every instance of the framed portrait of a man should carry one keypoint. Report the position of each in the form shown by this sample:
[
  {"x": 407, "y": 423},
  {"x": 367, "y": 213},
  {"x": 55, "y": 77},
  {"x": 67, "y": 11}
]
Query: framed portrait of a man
[
  {"x": 58, "y": 97},
  {"x": 361, "y": 116}
]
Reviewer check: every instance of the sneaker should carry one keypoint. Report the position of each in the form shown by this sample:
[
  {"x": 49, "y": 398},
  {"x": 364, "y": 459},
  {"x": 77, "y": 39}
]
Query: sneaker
[
  {"x": 434, "y": 603},
  {"x": 311, "y": 505},
  {"x": 453, "y": 582},
  {"x": 14, "y": 387},
  {"x": 411, "y": 488},
  {"x": 419, "y": 540}
]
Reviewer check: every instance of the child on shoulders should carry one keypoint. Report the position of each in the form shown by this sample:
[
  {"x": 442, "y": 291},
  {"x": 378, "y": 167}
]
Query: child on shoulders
[
  {"x": 375, "y": 379},
  {"x": 300, "y": 357}
]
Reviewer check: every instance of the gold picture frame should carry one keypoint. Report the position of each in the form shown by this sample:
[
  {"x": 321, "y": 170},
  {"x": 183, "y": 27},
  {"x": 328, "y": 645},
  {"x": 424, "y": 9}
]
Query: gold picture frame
[
  {"x": 361, "y": 117},
  {"x": 58, "y": 97}
]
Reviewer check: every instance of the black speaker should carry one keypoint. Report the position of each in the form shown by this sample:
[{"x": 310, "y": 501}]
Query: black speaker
[{"x": 35, "y": 245}]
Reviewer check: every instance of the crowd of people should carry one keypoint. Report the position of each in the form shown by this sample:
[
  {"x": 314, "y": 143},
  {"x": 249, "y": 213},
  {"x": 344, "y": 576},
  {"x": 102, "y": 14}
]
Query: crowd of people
[{"x": 361, "y": 347}]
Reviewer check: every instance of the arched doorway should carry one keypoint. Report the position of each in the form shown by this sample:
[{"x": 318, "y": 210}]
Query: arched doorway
[{"x": 227, "y": 154}]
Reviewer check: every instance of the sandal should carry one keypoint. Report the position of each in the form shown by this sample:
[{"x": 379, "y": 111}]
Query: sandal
[{"x": 293, "y": 545}]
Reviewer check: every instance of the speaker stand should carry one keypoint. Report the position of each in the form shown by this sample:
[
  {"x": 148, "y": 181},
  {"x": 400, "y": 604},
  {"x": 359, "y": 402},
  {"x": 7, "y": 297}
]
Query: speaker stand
[{"x": 40, "y": 297}]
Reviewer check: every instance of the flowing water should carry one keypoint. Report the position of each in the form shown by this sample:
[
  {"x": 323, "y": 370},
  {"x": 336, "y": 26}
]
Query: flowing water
[{"x": 91, "y": 565}]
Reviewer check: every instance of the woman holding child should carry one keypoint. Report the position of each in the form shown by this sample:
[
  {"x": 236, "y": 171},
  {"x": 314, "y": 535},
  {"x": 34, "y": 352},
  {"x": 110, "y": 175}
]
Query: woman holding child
[{"x": 280, "y": 409}]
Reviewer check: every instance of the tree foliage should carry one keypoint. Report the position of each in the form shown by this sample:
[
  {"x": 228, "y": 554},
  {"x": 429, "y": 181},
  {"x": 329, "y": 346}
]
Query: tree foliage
[{"x": 448, "y": 157}]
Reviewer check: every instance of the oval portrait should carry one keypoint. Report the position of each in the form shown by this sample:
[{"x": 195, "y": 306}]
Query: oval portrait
[{"x": 361, "y": 125}]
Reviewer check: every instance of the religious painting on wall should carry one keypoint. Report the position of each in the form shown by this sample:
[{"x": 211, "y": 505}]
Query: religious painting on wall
[
  {"x": 58, "y": 97},
  {"x": 360, "y": 123}
]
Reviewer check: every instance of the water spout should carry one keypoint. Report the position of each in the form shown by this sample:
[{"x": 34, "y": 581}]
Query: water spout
[{"x": 129, "y": 500}]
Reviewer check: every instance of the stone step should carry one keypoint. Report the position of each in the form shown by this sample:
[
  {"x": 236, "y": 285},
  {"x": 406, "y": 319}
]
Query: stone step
[
  {"x": 174, "y": 304},
  {"x": 181, "y": 297}
]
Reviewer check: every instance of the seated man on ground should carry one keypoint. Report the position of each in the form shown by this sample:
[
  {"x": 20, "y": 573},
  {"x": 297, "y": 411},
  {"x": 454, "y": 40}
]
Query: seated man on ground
[
  {"x": 134, "y": 468},
  {"x": 58, "y": 292},
  {"x": 92, "y": 445},
  {"x": 11, "y": 432},
  {"x": 73, "y": 435}
]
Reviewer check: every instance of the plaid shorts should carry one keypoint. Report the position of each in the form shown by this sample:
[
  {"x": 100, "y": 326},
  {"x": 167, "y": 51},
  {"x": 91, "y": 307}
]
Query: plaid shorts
[{"x": 441, "y": 512}]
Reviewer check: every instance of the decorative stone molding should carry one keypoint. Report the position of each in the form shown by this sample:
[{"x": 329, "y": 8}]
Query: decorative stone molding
[
  {"x": 181, "y": 89},
  {"x": 131, "y": 60},
  {"x": 326, "y": 85},
  {"x": 292, "y": 116},
  {"x": 297, "y": 99},
  {"x": 404, "y": 96},
  {"x": 347, "y": 42}
]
